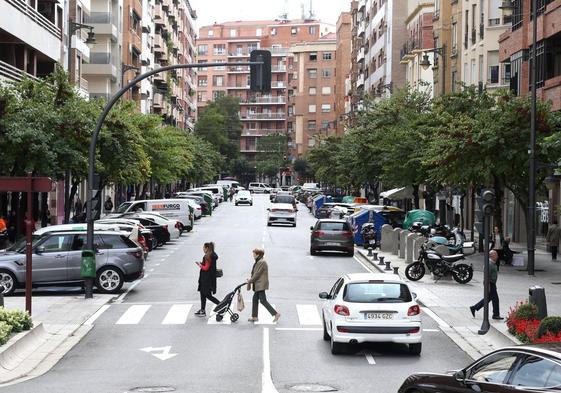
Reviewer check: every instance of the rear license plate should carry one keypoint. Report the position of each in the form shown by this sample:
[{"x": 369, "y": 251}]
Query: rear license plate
[
  {"x": 379, "y": 315},
  {"x": 331, "y": 244},
  {"x": 371, "y": 241}
]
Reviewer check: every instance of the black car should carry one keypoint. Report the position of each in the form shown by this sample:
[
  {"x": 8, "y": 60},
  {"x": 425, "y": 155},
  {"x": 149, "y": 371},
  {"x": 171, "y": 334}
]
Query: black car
[
  {"x": 160, "y": 232},
  {"x": 525, "y": 368},
  {"x": 200, "y": 200}
]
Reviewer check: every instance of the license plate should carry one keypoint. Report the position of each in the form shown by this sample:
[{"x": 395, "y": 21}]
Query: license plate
[
  {"x": 372, "y": 242},
  {"x": 379, "y": 315},
  {"x": 331, "y": 244}
]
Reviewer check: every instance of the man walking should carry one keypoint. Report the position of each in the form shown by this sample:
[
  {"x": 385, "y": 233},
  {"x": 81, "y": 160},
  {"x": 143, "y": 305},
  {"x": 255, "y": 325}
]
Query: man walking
[
  {"x": 108, "y": 205},
  {"x": 493, "y": 295},
  {"x": 552, "y": 238}
]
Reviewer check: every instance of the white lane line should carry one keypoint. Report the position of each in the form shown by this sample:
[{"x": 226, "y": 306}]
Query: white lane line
[
  {"x": 364, "y": 266},
  {"x": 91, "y": 319},
  {"x": 264, "y": 317},
  {"x": 370, "y": 358},
  {"x": 151, "y": 270},
  {"x": 432, "y": 330},
  {"x": 300, "y": 329},
  {"x": 308, "y": 314},
  {"x": 435, "y": 317},
  {"x": 157, "y": 264},
  {"x": 134, "y": 284},
  {"x": 267, "y": 385},
  {"x": 133, "y": 315},
  {"x": 177, "y": 314}
]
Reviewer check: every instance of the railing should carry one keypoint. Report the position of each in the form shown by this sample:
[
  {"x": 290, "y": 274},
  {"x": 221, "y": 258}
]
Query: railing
[
  {"x": 276, "y": 50},
  {"x": 264, "y": 116},
  {"x": 98, "y": 17},
  {"x": 100, "y": 58},
  {"x": 279, "y": 85},
  {"x": 10, "y": 72},
  {"x": 264, "y": 100},
  {"x": 473, "y": 36},
  {"x": 84, "y": 85},
  {"x": 239, "y": 69},
  {"x": 36, "y": 17},
  {"x": 259, "y": 132},
  {"x": 481, "y": 31},
  {"x": 408, "y": 47},
  {"x": 238, "y": 86},
  {"x": 280, "y": 68}
]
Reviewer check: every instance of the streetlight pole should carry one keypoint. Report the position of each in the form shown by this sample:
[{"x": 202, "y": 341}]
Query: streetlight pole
[{"x": 532, "y": 151}]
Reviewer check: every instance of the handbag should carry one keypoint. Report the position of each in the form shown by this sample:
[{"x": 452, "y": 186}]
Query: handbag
[
  {"x": 241, "y": 304},
  {"x": 219, "y": 273}
]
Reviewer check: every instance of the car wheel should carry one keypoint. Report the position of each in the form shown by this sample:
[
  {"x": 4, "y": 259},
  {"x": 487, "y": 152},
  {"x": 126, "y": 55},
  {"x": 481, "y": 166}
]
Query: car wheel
[
  {"x": 313, "y": 252},
  {"x": 251, "y": 204},
  {"x": 236, "y": 204},
  {"x": 109, "y": 280},
  {"x": 415, "y": 349},
  {"x": 269, "y": 224},
  {"x": 351, "y": 253},
  {"x": 293, "y": 225},
  {"x": 336, "y": 348},
  {"x": 325, "y": 334},
  {"x": 8, "y": 281}
]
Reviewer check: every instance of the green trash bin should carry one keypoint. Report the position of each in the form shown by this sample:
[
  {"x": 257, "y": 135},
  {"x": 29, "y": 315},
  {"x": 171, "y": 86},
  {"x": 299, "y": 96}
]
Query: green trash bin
[{"x": 87, "y": 266}]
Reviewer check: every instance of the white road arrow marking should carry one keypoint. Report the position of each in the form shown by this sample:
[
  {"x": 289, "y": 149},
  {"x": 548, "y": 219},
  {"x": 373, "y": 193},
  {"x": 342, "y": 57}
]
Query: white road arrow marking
[{"x": 164, "y": 352}]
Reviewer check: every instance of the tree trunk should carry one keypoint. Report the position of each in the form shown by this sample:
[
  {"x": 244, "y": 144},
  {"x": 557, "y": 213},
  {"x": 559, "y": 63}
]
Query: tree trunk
[
  {"x": 499, "y": 197},
  {"x": 416, "y": 196}
]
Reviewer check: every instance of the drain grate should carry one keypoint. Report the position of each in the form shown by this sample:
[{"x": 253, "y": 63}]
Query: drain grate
[
  {"x": 311, "y": 387},
  {"x": 556, "y": 283},
  {"x": 153, "y": 389},
  {"x": 525, "y": 270}
]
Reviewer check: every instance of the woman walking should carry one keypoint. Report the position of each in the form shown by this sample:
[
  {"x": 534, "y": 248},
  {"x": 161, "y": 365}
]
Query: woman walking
[
  {"x": 207, "y": 277},
  {"x": 260, "y": 282}
]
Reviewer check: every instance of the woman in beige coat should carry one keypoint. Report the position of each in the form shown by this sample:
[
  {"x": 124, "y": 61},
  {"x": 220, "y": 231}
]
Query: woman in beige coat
[{"x": 260, "y": 282}]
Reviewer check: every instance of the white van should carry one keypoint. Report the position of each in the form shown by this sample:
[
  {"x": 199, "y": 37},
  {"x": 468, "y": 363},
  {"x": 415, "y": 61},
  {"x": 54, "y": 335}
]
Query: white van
[
  {"x": 260, "y": 188},
  {"x": 174, "y": 209},
  {"x": 229, "y": 183}
]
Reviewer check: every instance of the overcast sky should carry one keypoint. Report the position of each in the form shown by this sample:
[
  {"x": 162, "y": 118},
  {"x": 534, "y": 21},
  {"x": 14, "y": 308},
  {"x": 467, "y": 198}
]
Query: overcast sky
[{"x": 210, "y": 11}]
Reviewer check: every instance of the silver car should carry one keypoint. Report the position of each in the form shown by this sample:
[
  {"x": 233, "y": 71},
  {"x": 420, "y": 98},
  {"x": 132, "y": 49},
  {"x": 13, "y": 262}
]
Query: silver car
[
  {"x": 57, "y": 259},
  {"x": 281, "y": 213}
]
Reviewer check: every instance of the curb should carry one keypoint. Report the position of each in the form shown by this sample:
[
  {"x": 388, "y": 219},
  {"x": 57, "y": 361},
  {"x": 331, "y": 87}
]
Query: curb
[{"x": 20, "y": 346}]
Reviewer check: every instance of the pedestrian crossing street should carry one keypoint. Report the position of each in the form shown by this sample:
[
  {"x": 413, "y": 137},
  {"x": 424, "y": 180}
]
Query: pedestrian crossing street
[{"x": 307, "y": 315}]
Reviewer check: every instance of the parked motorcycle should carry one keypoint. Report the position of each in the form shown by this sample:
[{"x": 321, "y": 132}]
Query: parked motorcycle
[
  {"x": 368, "y": 233},
  {"x": 440, "y": 266}
]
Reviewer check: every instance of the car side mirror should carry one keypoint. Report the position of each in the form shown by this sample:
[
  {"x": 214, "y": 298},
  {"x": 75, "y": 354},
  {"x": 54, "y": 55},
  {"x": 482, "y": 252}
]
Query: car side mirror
[
  {"x": 311, "y": 228},
  {"x": 414, "y": 295},
  {"x": 268, "y": 209},
  {"x": 323, "y": 295},
  {"x": 460, "y": 375},
  {"x": 39, "y": 250}
]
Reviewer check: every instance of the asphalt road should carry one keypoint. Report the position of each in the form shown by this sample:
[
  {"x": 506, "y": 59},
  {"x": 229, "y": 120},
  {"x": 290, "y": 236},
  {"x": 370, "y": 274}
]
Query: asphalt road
[{"x": 149, "y": 339}]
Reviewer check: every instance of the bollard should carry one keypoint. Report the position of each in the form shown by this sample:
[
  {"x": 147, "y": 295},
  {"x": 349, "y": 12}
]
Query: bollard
[
  {"x": 375, "y": 257},
  {"x": 381, "y": 263},
  {"x": 537, "y": 297},
  {"x": 369, "y": 251},
  {"x": 395, "y": 269},
  {"x": 2, "y": 288},
  {"x": 388, "y": 267}
]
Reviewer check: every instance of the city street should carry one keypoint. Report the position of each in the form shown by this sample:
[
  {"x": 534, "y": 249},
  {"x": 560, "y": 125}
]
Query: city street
[{"x": 150, "y": 338}]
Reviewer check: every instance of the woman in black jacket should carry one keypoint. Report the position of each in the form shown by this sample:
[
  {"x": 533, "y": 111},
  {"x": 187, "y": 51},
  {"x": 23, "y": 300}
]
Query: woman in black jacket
[{"x": 207, "y": 277}]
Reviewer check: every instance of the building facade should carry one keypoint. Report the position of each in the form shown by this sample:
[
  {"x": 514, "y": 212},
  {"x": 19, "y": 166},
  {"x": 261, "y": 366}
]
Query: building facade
[{"x": 343, "y": 67}]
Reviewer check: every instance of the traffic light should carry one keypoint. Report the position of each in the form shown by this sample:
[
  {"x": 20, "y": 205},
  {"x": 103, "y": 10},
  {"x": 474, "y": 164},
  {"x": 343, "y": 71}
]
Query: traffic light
[
  {"x": 260, "y": 74},
  {"x": 485, "y": 206}
]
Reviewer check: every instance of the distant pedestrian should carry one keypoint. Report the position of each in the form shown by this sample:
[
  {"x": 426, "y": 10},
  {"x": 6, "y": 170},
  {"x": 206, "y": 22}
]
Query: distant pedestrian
[
  {"x": 45, "y": 218},
  {"x": 12, "y": 225},
  {"x": 207, "y": 277},
  {"x": 552, "y": 238},
  {"x": 231, "y": 193},
  {"x": 108, "y": 205},
  {"x": 493, "y": 294},
  {"x": 78, "y": 207},
  {"x": 497, "y": 243},
  {"x": 259, "y": 281}
]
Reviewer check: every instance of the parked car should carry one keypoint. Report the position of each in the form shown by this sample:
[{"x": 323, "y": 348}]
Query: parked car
[
  {"x": 312, "y": 187},
  {"x": 217, "y": 191},
  {"x": 283, "y": 197},
  {"x": 273, "y": 193},
  {"x": 243, "y": 197},
  {"x": 229, "y": 183},
  {"x": 331, "y": 235},
  {"x": 160, "y": 231},
  {"x": 198, "y": 199},
  {"x": 215, "y": 198},
  {"x": 57, "y": 259},
  {"x": 259, "y": 188},
  {"x": 371, "y": 307},
  {"x": 524, "y": 368},
  {"x": 134, "y": 230},
  {"x": 174, "y": 209},
  {"x": 281, "y": 213}
]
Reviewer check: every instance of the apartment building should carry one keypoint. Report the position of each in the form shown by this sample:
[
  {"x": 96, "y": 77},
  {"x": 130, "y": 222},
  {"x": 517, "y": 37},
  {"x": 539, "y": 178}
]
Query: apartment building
[
  {"x": 419, "y": 44},
  {"x": 233, "y": 42},
  {"x": 312, "y": 103},
  {"x": 343, "y": 65},
  {"x": 132, "y": 45},
  {"x": 31, "y": 38},
  {"x": 79, "y": 51},
  {"x": 515, "y": 45}
]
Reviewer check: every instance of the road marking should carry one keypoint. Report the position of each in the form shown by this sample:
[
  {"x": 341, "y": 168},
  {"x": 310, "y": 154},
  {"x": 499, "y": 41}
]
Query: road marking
[
  {"x": 164, "y": 352},
  {"x": 98, "y": 313},
  {"x": 157, "y": 264},
  {"x": 133, "y": 315},
  {"x": 300, "y": 329},
  {"x": 435, "y": 317},
  {"x": 370, "y": 358},
  {"x": 151, "y": 270},
  {"x": 134, "y": 284},
  {"x": 432, "y": 330},
  {"x": 308, "y": 314},
  {"x": 212, "y": 320},
  {"x": 363, "y": 265},
  {"x": 177, "y": 314},
  {"x": 264, "y": 317},
  {"x": 267, "y": 385}
]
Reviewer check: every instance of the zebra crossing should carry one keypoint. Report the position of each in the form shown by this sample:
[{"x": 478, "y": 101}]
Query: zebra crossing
[{"x": 307, "y": 315}]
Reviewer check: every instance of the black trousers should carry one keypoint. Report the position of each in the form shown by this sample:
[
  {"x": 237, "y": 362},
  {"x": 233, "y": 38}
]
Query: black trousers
[
  {"x": 259, "y": 296},
  {"x": 493, "y": 298},
  {"x": 553, "y": 252},
  {"x": 208, "y": 296}
]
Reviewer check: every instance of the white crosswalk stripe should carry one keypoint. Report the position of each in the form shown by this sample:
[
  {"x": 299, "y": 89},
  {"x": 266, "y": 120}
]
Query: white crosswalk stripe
[
  {"x": 177, "y": 314},
  {"x": 133, "y": 315},
  {"x": 308, "y": 314}
]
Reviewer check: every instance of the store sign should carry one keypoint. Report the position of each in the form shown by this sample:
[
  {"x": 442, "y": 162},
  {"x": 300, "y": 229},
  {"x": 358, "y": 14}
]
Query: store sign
[{"x": 543, "y": 211}]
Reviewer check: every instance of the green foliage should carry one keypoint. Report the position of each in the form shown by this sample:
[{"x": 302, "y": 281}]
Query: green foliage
[
  {"x": 5, "y": 331},
  {"x": 550, "y": 325},
  {"x": 19, "y": 320},
  {"x": 526, "y": 311}
]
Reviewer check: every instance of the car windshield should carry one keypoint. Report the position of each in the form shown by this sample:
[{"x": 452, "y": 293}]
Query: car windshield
[
  {"x": 20, "y": 245},
  {"x": 284, "y": 199},
  {"x": 333, "y": 226},
  {"x": 243, "y": 193},
  {"x": 124, "y": 207},
  {"x": 377, "y": 292}
]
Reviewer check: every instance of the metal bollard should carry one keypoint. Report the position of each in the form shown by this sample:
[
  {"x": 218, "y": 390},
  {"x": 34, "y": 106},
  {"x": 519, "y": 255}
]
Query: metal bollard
[
  {"x": 369, "y": 251},
  {"x": 375, "y": 257},
  {"x": 537, "y": 297},
  {"x": 395, "y": 269},
  {"x": 388, "y": 267},
  {"x": 381, "y": 263},
  {"x": 2, "y": 295}
]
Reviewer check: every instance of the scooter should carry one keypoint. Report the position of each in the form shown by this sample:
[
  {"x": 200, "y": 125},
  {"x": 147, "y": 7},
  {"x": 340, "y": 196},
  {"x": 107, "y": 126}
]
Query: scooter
[
  {"x": 439, "y": 265},
  {"x": 368, "y": 233}
]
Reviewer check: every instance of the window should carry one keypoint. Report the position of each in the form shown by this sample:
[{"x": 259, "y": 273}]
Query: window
[
  {"x": 537, "y": 372},
  {"x": 480, "y": 79},
  {"x": 274, "y": 31},
  {"x": 202, "y": 62},
  {"x": 233, "y": 32},
  {"x": 211, "y": 33},
  {"x": 326, "y": 72},
  {"x": 312, "y": 73},
  {"x": 454, "y": 36},
  {"x": 114, "y": 242},
  {"x": 218, "y": 80},
  {"x": 326, "y": 90},
  {"x": 338, "y": 284},
  {"x": 203, "y": 81},
  {"x": 326, "y": 108},
  {"x": 312, "y": 91},
  {"x": 311, "y": 125},
  {"x": 516, "y": 71},
  {"x": 368, "y": 292},
  {"x": 324, "y": 125},
  {"x": 311, "y": 142},
  {"x": 540, "y": 64},
  {"x": 312, "y": 30},
  {"x": 327, "y": 56},
  {"x": 201, "y": 96},
  {"x": 220, "y": 68},
  {"x": 202, "y": 50},
  {"x": 313, "y": 56},
  {"x": 293, "y": 31},
  {"x": 219, "y": 49},
  {"x": 56, "y": 243},
  {"x": 217, "y": 94},
  {"x": 492, "y": 369},
  {"x": 259, "y": 32},
  {"x": 311, "y": 108},
  {"x": 473, "y": 71}
]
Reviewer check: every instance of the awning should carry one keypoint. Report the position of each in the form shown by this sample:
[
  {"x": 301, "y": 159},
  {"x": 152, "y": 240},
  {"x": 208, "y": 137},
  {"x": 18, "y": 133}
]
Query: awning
[{"x": 398, "y": 193}]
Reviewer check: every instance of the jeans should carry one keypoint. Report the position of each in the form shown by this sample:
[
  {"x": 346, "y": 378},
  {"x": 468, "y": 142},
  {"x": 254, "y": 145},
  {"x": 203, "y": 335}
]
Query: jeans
[
  {"x": 493, "y": 297},
  {"x": 553, "y": 252},
  {"x": 208, "y": 296},
  {"x": 259, "y": 296}
]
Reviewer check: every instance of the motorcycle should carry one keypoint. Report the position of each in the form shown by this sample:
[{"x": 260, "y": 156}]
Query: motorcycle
[
  {"x": 439, "y": 265},
  {"x": 368, "y": 233}
]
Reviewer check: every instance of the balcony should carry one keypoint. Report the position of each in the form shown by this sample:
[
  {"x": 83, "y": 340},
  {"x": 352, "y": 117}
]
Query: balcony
[
  {"x": 278, "y": 68},
  {"x": 278, "y": 85},
  {"x": 10, "y": 72},
  {"x": 263, "y": 116},
  {"x": 160, "y": 46},
  {"x": 241, "y": 53},
  {"x": 159, "y": 14},
  {"x": 264, "y": 100},
  {"x": 260, "y": 132},
  {"x": 237, "y": 87},
  {"x": 100, "y": 69},
  {"x": 361, "y": 28},
  {"x": 360, "y": 55},
  {"x": 158, "y": 101},
  {"x": 276, "y": 51},
  {"x": 360, "y": 80},
  {"x": 239, "y": 70}
]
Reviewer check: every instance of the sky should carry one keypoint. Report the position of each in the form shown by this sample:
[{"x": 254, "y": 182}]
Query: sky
[{"x": 210, "y": 11}]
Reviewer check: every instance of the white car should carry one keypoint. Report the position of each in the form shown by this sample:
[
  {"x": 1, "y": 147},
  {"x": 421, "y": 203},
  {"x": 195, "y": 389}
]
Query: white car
[
  {"x": 281, "y": 213},
  {"x": 369, "y": 307},
  {"x": 260, "y": 188},
  {"x": 243, "y": 197},
  {"x": 197, "y": 210},
  {"x": 172, "y": 225}
]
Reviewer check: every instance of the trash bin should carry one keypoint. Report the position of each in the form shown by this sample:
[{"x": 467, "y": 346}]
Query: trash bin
[
  {"x": 87, "y": 266},
  {"x": 537, "y": 297}
]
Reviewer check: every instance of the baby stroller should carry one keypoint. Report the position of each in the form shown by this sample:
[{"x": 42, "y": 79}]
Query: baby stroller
[{"x": 225, "y": 305}]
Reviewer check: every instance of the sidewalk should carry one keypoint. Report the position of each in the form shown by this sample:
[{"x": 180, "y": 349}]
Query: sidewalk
[
  {"x": 59, "y": 324},
  {"x": 450, "y": 301}
]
